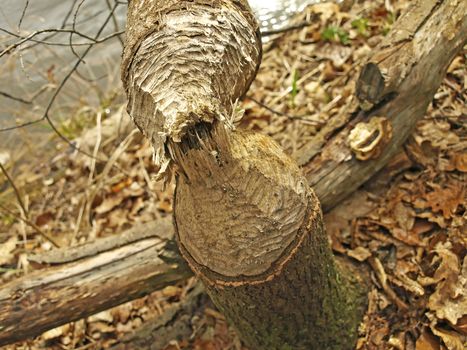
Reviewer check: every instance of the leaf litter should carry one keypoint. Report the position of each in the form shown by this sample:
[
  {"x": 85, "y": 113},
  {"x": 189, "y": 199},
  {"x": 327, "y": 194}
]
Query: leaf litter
[{"x": 407, "y": 224}]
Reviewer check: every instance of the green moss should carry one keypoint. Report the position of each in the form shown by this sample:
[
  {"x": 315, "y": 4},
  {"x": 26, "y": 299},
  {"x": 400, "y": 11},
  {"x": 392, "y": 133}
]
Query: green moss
[
  {"x": 361, "y": 25},
  {"x": 335, "y": 34},
  {"x": 389, "y": 21},
  {"x": 294, "y": 92}
]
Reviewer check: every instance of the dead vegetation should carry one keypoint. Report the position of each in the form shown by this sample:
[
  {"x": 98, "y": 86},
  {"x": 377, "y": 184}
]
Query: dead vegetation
[{"x": 407, "y": 224}]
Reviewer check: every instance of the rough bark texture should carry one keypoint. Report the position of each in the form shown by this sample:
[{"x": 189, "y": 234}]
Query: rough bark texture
[
  {"x": 186, "y": 62},
  {"x": 397, "y": 84},
  {"x": 246, "y": 221},
  {"x": 101, "y": 276},
  {"x": 252, "y": 229}
]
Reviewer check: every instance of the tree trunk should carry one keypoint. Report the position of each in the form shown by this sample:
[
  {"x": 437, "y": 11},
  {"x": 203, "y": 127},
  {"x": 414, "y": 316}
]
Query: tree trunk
[
  {"x": 396, "y": 84},
  {"x": 252, "y": 229},
  {"x": 245, "y": 218}
]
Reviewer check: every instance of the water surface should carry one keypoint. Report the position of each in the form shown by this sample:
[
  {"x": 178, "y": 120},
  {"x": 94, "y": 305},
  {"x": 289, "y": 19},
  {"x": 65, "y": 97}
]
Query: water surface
[{"x": 44, "y": 66}]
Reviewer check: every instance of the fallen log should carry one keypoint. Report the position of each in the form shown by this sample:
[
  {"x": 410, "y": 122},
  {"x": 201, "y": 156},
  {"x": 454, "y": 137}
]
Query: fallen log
[
  {"x": 397, "y": 84},
  {"x": 138, "y": 262},
  {"x": 394, "y": 90}
]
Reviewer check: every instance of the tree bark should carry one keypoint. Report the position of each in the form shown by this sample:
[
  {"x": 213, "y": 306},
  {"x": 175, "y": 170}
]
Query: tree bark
[
  {"x": 330, "y": 165},
  {"x": 246, "y": 221},
  {"x": 251, "y": 228},
  {"x": 395, "y": 87},
  {"x": 178, "y": 58},
  {"x": 92, "y": 278}
]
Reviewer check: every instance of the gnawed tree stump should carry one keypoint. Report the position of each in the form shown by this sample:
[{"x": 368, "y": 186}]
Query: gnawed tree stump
[
  {"x": 328, "y": 162},
  {"x": 252, "y": 229},
  {"x": 245, "y": 218}
]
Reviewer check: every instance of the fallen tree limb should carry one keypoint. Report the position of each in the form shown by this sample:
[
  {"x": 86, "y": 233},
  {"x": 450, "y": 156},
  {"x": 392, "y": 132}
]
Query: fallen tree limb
[
  {"x": 75, "y": 289},
  {"x": 397, "y": 84}
]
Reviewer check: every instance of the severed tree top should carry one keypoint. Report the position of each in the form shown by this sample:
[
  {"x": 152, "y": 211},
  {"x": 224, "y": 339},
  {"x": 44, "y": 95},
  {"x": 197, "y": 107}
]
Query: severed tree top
[{"x": 186, "y": 62}]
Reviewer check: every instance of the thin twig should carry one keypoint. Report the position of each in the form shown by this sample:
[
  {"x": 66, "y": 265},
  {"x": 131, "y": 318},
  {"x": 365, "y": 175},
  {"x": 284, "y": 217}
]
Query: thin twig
[
  {"x": 45, "y": 115},
  {"x": 26, "y": 5},
  {"x": 282, "y": 114},
  {"x": 115, "y": 22},
  {"x": 11, "y": 97},
  {"x": 63, "y": 25},
  {"x": 75, "y": 67},
  {"x": 31, "y": 36},
  {"x": 12, "y": 183},
  {"x": 31, "y": 224},
  {"x": 74, "y": 29}
]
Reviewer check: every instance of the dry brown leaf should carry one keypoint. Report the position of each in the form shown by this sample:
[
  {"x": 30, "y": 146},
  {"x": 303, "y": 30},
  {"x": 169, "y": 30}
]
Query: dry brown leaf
[
  {"x": 117, "y": 218},
  {"x": 44, "y": 218},
  {"x": 121, "y": 185},
  {"x": 338, "y": 55},
  {"x": 326, "y": 10},
  {"x": 359, "y": 253},
  {"x": 452, "y": 340},
  {"x": 449, "y": 301},
  {"x": 104, "y": 316},
  {"x": 171, "y": 291},
  {"x": 438, "y": 133},
  {"x": 446, "y": 200},
  {"x": 402, "y": 280},
  {"x": 109, "y": 203},
  {"x": 461, "y": 325},
  {"x": 460, "y": 162},
  {"x": 96, "y": 329},
  {"x": 427, "y": 341},
  {"x": 405, "y": 216},
  {"x": 56, "y": 332},
  {"x": 6, "y": 250},
  {"x": 133, "y": 190}
]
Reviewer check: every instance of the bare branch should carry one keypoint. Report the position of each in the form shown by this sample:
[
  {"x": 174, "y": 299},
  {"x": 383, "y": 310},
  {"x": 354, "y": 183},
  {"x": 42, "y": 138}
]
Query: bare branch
[
  {"x": 31, "y": 224},
  {"x": 115, "y": 22},
  {"x": 15, "y": 98},
  {"x": 287, "y": 28},
  {"x": 46, "y": 115},
  {"x": 31, "y": 37},
  {"x": 26, "y": 5},
  {"x": 74, "y": 29},
  {"x": 303, "y": 117},
  {"x": 12, "y": 183}
]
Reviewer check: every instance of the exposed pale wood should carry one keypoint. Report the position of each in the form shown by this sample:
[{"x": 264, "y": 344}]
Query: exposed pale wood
[
  {"x": 246, "y": 221},
  {"x": 252, "y": 230},
  {"x": 329, "y": 165},
  {"x": 398, "y": 83},
  {"x": 48, "y": 298},
  {"x": 237, "y": 212},
  {"x": 178, "y": 58}
]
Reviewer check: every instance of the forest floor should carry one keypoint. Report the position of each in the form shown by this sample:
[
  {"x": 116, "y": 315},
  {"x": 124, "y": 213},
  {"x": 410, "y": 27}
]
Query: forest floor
[{"x": 407, "y": 224}]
